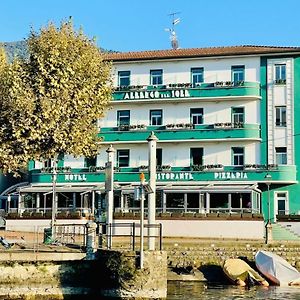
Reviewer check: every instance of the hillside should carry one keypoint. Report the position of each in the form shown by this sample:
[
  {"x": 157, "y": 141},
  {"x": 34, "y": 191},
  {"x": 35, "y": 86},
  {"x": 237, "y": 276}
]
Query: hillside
[
  {"x": 19, "y": 49},
  {"x": 14, "y": 49}
]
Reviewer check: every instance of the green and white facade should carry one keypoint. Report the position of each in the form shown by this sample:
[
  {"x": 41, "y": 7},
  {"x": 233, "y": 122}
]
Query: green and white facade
[{"x": 227, "y": 123}]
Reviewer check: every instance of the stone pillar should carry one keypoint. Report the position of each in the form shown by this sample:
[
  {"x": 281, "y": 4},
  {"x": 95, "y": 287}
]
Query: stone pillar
[
  {"x": 109, "y": 188},
  {"x": 185, "y": 202},
  {"x": 152, "y": 141},
  {"x": 38, "y": 201},
  {"x": 164, "y": 202},
  {"x": 90, "y": 240},
  {"x": 74, "y": 202},
  {"x": 207, "y": 203},
  {"x": 269, "y": 236},
  {"x": 201, "y": 203},
  {"x": 93, "y": 203},
  {"x": 8, "y": 202},
  {"x": 229, "y": 202},
  {"x": 20, "y": 203}
]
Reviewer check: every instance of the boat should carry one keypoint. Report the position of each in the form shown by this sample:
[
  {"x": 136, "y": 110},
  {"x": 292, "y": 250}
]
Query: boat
[
  {"x": 240, "y": 273},
  {"x": 276, "y": 269}
]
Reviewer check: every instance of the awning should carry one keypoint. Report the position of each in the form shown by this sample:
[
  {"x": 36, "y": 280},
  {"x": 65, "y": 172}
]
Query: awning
[
  {"x": 61, "y": 189},
  {"x": 202, "y": 188}
]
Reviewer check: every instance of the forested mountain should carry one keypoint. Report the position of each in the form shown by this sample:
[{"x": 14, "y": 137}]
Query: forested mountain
[
  {"x": 19, "y": 49},
  {"x": 14, "y": 49}
]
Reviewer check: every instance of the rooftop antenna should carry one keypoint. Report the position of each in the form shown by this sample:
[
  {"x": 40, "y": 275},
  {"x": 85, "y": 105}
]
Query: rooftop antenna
[{"x": 173, "y": 37}]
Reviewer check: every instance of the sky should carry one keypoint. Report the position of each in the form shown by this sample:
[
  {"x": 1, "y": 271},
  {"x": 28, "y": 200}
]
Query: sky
[{"x": 137, "y": 25}]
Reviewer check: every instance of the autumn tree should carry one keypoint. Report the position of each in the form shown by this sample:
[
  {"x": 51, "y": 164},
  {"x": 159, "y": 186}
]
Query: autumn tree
[
  {"x": 2, "y": 59},
  {"x": 50, "y": 102}
]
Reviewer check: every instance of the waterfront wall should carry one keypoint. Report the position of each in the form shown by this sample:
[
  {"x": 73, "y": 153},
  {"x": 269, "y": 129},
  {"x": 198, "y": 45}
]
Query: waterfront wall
[
  {"x": 205, "y": 258},
  {"x": 111, "y": 274},
  {"x": 123, "y": 278}
]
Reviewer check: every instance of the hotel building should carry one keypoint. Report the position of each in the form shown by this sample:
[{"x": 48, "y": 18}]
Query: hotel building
[{"x": 227, "y": 129}]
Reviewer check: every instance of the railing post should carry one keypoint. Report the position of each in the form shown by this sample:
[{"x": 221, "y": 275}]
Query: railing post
[
  {"x": 90, "y": 240},
  {"x": 133, "y": 236},
  {"x": 160, "y": 236}
]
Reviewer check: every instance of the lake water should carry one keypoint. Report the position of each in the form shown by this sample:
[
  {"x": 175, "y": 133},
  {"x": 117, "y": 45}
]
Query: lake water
[{"x": 180, "y": 290}]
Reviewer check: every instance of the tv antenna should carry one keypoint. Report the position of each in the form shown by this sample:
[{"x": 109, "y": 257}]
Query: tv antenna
[{"x": 173, "y": 36}]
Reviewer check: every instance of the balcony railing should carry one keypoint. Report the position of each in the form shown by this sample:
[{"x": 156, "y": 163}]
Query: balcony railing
[
  {"x": 219, "y": 89},
  {"x": 181, "y": 131}
]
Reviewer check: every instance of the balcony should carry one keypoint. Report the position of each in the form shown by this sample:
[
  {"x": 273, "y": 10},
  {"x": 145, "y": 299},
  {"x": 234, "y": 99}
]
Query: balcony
[
  {"x": 184, "y": 132},
  {"x": 209, "y": 173},
  {"x": 213, "y": 91}
]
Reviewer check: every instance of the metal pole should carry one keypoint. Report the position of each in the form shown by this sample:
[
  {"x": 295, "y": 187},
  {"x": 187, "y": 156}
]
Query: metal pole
[
  {"x": 133, "y": 236},
  {"x": 54, "y": 204},
  {"x": 109, "y": 187},
  {"x": 142, "y": 228},
  {"x": 269, "y": 205},
  {"x": 152, "y": 141}
]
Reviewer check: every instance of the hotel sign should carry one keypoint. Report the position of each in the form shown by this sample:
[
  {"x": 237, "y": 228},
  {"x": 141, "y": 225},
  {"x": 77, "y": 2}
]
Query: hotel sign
[
  {"x": 186, "y": 176},
  {"x": 230, "y": 175},
  {"x": 75, "y": 177},
  {"x": 137, "y": 95},
  {"x": 174, "y": 176}
]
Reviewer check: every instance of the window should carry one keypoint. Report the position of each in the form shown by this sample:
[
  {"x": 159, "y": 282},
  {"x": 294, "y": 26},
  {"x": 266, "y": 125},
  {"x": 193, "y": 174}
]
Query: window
[
  {"x": 238, "y": 114},
  {"x": 238, "y": 156},
  {"x": 280, "y": 73},
  {"x": 280, "y": 116},
  {"x": 237, "y": 73},
  {"x": 90, "y": 161},
  {"x": 156, "y": 77},
  {"x": 281, "y": 155},
  {"x": 197, "y": 75},
  {"x": 196, "y": 115},
  {"x": 123, "y": 117},
  {"x": 124, "y": 78},
  {"x": 47, "y": 163},
  {"x": 159, "y": 157},
  {"x": 196, "y": 156},
  {"x": 156, "y": 117},
  {"x": 123, "y": 158}
]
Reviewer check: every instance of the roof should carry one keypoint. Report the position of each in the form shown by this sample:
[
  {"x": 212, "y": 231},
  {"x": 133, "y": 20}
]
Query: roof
[{"x": 200, "y": 52}]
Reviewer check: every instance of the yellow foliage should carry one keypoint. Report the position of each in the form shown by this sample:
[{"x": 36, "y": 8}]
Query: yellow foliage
[{"x": 49, "y": 102}]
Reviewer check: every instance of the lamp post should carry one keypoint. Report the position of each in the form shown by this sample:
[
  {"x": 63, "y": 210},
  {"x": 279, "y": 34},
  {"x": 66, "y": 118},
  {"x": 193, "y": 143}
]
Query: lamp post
[
  {"x": 268, "y": 177},
  {"x": 54, "y": 198}
]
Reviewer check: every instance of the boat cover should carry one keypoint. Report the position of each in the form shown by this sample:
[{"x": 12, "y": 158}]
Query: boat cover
[
  {"x": 275, "y": 268},
  {"x": 236, "y": 268}
]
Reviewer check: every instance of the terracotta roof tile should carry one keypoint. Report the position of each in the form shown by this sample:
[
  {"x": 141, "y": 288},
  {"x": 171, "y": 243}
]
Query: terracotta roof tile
[{"x": 198, "y": 52}]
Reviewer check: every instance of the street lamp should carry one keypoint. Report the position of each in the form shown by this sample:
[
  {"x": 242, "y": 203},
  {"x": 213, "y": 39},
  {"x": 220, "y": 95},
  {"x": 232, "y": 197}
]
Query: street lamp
[{"x": 268, "y": 177}]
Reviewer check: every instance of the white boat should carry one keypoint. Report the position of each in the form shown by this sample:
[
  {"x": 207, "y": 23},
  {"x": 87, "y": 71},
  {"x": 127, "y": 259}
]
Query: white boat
[{"x": 276, "y": 269}]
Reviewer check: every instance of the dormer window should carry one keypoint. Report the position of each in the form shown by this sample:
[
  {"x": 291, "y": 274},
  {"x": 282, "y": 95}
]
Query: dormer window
[
  {"x": 197, "y": 75},
  {"x": 124, "y": 78},
  {"x": 156, "y": 77},
  {"x": 237, "y": 73}
]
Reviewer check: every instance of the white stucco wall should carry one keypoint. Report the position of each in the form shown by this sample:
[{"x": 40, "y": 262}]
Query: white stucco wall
[
  {"x": 178, "y": 154},
  {"x": 207, "y": 229},
  {"x": 213, "y": 112},
  {"x": 178, "y": 71}
]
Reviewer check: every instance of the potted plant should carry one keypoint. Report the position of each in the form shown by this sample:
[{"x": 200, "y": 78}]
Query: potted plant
[{"x": 166, "y": 168}]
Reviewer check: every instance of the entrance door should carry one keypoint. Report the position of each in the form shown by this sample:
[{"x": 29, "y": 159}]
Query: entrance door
[{"x": 281, "y": 203}]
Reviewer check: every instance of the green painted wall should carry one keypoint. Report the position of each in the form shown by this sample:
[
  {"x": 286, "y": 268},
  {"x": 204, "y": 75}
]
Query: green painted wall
[
  {"x": 205, "y": 91},
  {"x": 292, "y": 189}
]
